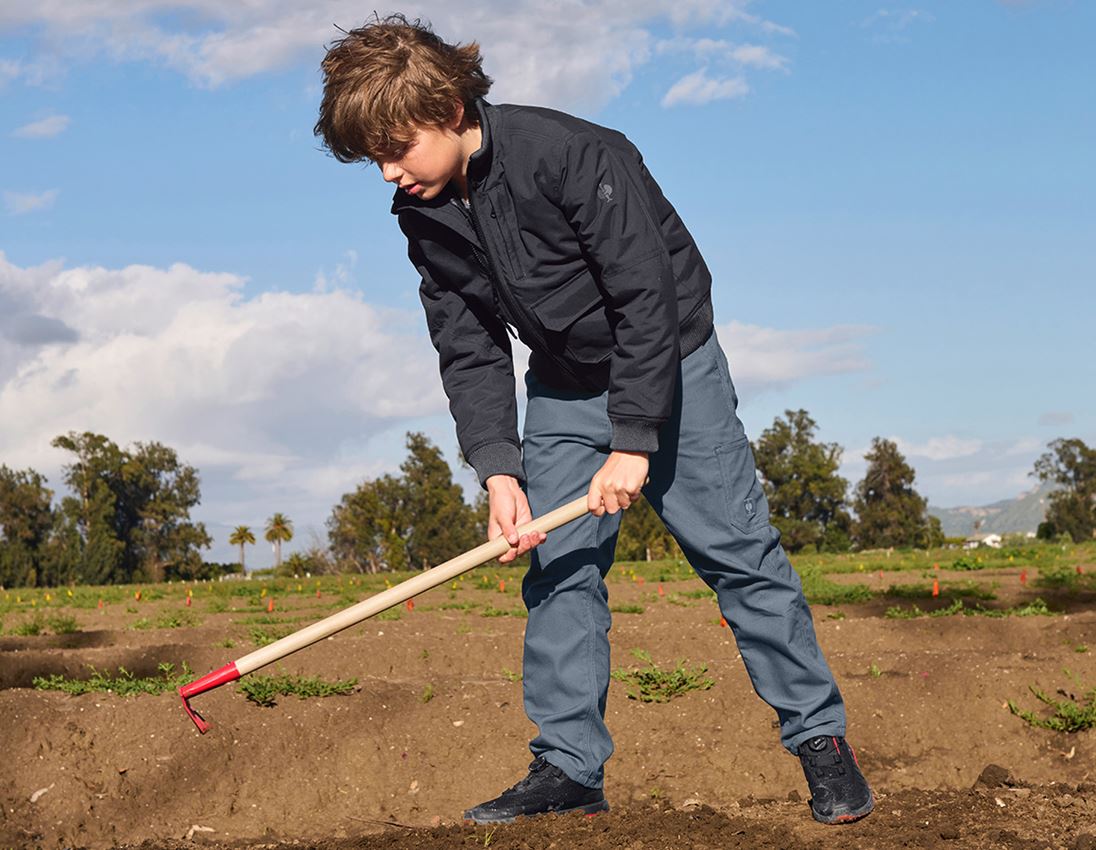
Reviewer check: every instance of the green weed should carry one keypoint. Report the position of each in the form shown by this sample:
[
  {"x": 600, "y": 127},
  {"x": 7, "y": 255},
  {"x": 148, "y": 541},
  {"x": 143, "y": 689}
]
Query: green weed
[
  {"x": 492, "y": 611},
  {"x": 510, "y": 675},
  {"x": 627, "y": 609},
  {"x": 819, "y": 590},
  {"x": 1069, "y": 714},
  {"x": 261, "y": 637},
  {"x": 427, "y": 693},
  {"x": 652, "y": 684},
  {"x": 62, "y": 624},
  {"x": 264, "y": 690},
  {"x": 124, "y": 684}
]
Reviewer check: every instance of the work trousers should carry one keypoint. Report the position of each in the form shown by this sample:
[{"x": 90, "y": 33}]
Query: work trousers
[{"x": 704, "y": 487}]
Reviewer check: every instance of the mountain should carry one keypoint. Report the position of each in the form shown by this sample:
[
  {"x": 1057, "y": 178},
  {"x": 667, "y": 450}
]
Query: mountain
[{"x": 1009, "y": 516}]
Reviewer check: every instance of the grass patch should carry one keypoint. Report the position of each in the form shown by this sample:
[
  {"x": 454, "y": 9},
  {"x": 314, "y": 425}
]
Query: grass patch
[
  {"x": 427, "y": 693},
  {"x": 62, "y": 624},
  {"x": 1035, "y": 608},
  {"x": 1067, "y": 714},
  {"x": 705, "y": 593},
  {"x": 627, "y": 609},
  {"x": 510, "y": 676},
  {"x": 30, "y": 628},
  {"x": 967, "y": 590},
  {"x": 265, "y": 690},
  {"x": 652, "y": 684},
  {"x": 124, "y": 683},
  {"x": 492, "y": 611},
  {"x": 819, "y": 590},
  {"x": 261, "y": 637},
  {"x": 457, "y": 606}
]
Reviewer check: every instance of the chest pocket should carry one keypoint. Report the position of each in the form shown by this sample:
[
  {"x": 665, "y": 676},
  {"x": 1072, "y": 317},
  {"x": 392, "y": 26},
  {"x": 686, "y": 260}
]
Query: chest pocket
[
  {"x": 504, "y": 223},
  {"x": 574, "y": 320}
]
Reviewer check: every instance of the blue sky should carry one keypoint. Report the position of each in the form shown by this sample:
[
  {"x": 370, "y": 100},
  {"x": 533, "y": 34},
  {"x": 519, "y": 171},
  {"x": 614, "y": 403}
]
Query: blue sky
[{"x": 896, "y": 202}]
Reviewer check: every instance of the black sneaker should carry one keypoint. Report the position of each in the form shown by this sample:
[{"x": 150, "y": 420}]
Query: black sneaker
[
  {"x": 839, "y": 792},
  {"x": 545, "y": 789}
]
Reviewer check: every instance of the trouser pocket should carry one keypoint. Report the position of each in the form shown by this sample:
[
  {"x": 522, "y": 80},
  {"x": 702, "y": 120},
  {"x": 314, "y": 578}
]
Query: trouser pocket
[{"x": 743, "y": 495}]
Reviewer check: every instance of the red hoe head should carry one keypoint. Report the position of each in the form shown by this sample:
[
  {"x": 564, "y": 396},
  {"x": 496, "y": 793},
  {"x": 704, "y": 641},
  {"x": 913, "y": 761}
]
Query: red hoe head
[{"x": 208, "y": 682}]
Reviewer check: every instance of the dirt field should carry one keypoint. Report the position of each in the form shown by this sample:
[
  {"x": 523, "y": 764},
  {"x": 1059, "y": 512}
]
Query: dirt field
[{"x": 436, "y": 725}]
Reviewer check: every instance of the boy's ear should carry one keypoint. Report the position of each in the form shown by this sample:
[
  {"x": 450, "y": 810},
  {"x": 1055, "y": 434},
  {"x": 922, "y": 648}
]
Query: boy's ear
[{"x": 458, "y": 116}]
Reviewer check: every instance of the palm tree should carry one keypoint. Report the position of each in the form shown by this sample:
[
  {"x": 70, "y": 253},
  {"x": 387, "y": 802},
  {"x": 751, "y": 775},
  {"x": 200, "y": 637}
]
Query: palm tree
[
  {"x": 278, "y": 529},
  {"x": 239, "y": 537}
]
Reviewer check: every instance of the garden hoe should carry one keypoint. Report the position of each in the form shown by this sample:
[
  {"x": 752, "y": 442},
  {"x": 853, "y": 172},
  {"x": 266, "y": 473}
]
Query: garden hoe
[{"x": 371, "y": 607}]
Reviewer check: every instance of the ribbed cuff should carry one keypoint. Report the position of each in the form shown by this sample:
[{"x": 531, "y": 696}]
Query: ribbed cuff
[
  {"x": 634, "y": 435},
  {"x": 496, "y": 459}
]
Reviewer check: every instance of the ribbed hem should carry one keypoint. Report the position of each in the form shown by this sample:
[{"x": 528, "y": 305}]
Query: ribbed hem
[
  {"x": 696, "y": 329},
  {"x": 496, "y": 459},
  {"x": 634, "y": 435}
]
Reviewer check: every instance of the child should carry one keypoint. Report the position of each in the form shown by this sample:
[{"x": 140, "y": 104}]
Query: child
[{"x": 529, "y": 222}]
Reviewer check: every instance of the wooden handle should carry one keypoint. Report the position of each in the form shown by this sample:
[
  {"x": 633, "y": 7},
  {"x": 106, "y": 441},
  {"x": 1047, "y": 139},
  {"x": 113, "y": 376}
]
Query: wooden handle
[{"x": 404, "y": 590}]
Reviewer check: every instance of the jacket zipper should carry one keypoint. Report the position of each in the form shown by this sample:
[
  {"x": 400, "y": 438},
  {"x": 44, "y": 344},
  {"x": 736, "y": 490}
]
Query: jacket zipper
[{"x": 509, "y": 304}]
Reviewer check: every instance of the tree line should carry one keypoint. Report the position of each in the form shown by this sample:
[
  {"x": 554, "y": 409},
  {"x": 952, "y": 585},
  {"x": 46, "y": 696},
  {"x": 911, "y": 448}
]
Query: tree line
[{"x": 126, "y": 517}]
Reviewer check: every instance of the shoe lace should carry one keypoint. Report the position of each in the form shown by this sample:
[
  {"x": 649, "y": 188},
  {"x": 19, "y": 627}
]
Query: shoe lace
[
  {"x": 538, "y": 764},
  {"x": 825, "y": 764}
]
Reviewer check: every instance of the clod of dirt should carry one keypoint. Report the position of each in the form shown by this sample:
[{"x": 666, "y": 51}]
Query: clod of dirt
[
  {"x": 1085, "y": 841},
  {"x": 949, "y": 833},
  {"x": 794, "y": 797},
  {"x": 993, "y": 776}
]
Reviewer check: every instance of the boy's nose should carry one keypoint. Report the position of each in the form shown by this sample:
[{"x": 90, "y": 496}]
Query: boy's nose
[{"x": 390, "y": 172}]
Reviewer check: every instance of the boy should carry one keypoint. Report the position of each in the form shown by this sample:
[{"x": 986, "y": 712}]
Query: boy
[{"x": 530, "y": 222}]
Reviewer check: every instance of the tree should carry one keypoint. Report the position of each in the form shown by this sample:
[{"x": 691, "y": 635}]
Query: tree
[
  {"x": 240, "y": 536},
  {"x": 807, "y": 498},
  {"x": 279, "y": 529},
  {"x": 129, "y": 516},
  {"x": 26, "y": 521},
  {"x": 1072, "y": 465},
  {"x": 416, "y": 519},
  {"x": 889, "y": 511}
]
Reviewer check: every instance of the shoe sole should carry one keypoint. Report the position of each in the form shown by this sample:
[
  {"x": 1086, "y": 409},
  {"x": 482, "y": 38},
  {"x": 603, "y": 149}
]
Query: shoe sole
[
  {"x": 846, "y": 816},
  {"x": 590, "y": 810}
]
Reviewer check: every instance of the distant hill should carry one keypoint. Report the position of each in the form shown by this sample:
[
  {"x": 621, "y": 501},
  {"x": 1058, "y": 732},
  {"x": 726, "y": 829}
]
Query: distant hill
[{"x": 1009, "y": 516}]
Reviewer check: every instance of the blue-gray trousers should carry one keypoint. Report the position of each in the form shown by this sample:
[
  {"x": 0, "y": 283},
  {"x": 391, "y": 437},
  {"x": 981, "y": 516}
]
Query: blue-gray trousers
[{"x": 704, "y": 487}]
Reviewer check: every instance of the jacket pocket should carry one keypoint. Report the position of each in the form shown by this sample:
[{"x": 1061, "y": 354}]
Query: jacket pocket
[
  {"x": 574, "y": 320},
  {"x": 747, "y": 507},
  {"x": 504, "y": 222}
]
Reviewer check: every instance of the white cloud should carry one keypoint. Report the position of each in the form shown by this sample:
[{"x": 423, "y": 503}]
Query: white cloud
[
  {"x": 18, "y": 203},
  {"x": 46, "y": 128},
  {"x": 940, "y": 448},
  {"x": 708, "y": 49},
  {"x": 766, "y": 358},
  {"x": 275, "y": 398},
  {"x": 698, "y": 88},
  {"x": 890, "y": 25},
  {"x": 577, "y": 54}
]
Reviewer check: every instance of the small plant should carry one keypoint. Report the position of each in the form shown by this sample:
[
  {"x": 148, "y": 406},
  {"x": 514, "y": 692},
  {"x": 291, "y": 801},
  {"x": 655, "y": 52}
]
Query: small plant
[
  {"x": 875, "y": 671},
  {"x": 819, "y": 590},
  {"x": 264, "y": 690},
  {"x": 836, "y": 615},
  {"x": 492, "y": 611},
  {"x": 1069, "y": 714},
  {"x": 427, "y": 693},
  {"x": 510, "y": 676},
  {"x": 1080, "y": 648},
  {"x": 61, "y": 624},
  {"x": 425, "y": 655},
  {"x": 30, "y": 628},
  {"x": 261, "y": 637},
  {"x": 651, "y": 684},
  {"x": 390, "y": 614},
  {"x": 124, "y": 684},
  {"x": 965, "y": 562},
  {"x": 627, "y": 609},
  {"x": 227, "y": 643}
]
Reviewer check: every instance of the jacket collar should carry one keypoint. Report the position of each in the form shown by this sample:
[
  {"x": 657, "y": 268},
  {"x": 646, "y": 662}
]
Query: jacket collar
[{"x": 479, "y": 165}]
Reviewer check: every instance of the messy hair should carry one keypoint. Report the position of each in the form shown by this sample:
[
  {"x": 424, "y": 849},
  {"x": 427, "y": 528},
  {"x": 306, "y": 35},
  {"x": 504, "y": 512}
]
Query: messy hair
[{"x": 388, "y": 76}]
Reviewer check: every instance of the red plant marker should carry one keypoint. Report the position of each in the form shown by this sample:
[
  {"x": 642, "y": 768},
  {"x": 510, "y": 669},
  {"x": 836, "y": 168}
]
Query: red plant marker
[
  {"x": 1080, "y": 571},
  {"x": 723, "y": 622},
  {"x": 270, "y": 605},
  {"x": 1023, "y": 577},
  {"x": 188, "y": 600},
  {"x": 880, "y": 574},
  {"x": 100, "y": 604},
  {"x": 502, "y": 585},
  {"x": 410, "y": 604},
  {"x": 935, "y": 588},
  {"x": 661, "y": 592},
  {"x": 137, "y": 595},
  {"x": 317, "y": 593},
  {"x": 639, "y": 581},
  {"x": 936, "y": 566}
]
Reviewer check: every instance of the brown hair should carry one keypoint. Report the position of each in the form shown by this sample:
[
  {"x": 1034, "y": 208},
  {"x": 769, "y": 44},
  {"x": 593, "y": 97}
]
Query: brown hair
[{"x": 388, "y": 76}]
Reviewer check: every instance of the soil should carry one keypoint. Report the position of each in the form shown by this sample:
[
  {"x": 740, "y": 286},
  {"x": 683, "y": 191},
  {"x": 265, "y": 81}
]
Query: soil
[{"x": 436, "y": 725}]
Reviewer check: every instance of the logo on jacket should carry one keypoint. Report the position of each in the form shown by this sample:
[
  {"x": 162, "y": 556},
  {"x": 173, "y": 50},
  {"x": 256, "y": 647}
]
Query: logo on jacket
[{"x": 605, "y": 192}]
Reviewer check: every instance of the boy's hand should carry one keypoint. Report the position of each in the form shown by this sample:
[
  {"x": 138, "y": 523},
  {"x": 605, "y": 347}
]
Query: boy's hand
[
  {"x": 508, "y": 509},
  {"x": 617, "y": 484}
]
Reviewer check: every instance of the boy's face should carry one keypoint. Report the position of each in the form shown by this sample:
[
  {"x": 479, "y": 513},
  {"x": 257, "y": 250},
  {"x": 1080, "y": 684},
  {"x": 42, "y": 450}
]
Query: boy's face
[{"x": 433, "y": 158}]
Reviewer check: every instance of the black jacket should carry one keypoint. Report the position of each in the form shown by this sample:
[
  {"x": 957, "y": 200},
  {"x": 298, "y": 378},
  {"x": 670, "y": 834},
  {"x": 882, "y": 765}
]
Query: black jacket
[{"x": 569, "y": 242}]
